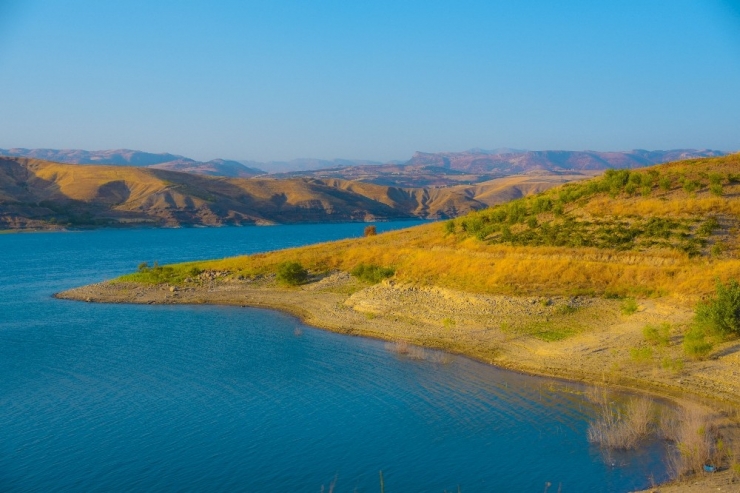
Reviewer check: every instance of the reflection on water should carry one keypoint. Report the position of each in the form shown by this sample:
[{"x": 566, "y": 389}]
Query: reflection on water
[{"x": 197, "y": 398}]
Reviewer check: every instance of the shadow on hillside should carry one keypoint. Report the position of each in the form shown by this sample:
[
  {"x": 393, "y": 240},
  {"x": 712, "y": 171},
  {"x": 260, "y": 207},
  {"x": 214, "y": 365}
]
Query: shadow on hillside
[{"x": 34, "y": 202}]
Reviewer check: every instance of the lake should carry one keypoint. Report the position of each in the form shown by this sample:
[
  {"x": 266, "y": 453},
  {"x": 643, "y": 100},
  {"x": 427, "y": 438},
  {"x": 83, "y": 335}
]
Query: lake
[{"x": 205, "y": 398}]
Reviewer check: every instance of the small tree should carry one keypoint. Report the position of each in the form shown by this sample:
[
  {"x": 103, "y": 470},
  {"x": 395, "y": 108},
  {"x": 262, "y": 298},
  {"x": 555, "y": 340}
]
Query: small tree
[
  {"x": 291, "y": 273},
  {"x": 721, "y": 312},
  {"x": 370, "y": 230}
]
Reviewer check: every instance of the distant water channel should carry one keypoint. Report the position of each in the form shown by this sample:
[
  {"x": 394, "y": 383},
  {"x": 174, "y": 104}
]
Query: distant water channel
[{"x": 205, "y": 398}]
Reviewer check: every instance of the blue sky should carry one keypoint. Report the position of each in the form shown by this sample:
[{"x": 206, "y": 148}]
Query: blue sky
[{"x": 276, "y": 80}]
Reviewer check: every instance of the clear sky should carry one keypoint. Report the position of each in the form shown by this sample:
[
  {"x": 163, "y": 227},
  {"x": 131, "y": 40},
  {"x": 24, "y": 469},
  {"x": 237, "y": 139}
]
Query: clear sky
[{"x": 274, "y": 79}]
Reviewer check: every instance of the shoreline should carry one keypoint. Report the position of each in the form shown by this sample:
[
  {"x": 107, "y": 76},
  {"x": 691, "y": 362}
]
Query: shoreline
[
  {"x": 476, "y": 327},
  {"x": 130, "y": 226},
  {"x": 364, "y": 312}
]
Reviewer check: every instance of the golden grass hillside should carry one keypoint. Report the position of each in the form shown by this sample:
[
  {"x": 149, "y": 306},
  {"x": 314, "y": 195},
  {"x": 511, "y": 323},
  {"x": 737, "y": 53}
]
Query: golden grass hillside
[
  {"x": 665, "y": 230},
  {"x": 40, "y": 194}
]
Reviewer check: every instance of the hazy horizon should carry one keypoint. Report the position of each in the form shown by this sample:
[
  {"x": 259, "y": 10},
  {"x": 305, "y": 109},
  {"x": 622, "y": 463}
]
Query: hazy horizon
[{"x": 285, "y": 80}]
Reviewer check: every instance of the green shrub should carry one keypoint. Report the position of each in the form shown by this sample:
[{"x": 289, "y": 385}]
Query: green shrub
[
  {"x": 541, "y": 204},
  {"x": 372, "y": 273},
  {"x": 665, "y": 183},
  {"x": 450, "y": 227},
  {"x": 291, "y": 273},
  {"x": 691, "y": 186},
  {"x": 657, "y": 335},
  {"x": 721, "y": 313},
  {"x": 641, "y": 355},
  {"x": 157, "y": 274},
  {"x": 448, "y": 323},
  {"x": 717, "y": 249},
  {"x": 708, "y": 227},
  {"x": 716, "y": 189},
  {"x": 629, "y": 306},
  {"x": 715, "y": 178},
  {"x": 695, "y": 343}
]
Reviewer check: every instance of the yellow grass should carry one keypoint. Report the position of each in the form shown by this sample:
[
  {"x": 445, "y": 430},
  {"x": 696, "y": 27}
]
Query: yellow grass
[{"x": 425, "y": 255}]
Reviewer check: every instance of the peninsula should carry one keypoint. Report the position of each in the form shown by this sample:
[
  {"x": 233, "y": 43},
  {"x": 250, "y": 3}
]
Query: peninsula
[{"x": 604, "y": 281}]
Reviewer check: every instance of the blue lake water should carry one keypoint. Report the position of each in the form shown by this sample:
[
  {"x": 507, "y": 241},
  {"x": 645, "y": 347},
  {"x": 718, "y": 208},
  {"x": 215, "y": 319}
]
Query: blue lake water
[{"x": 203, "y": 398}]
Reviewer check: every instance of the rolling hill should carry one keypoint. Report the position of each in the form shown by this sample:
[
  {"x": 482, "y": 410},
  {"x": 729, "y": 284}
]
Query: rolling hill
[
  {"x": 37, "y": 194},
  {"x": 667, "y": 229}
]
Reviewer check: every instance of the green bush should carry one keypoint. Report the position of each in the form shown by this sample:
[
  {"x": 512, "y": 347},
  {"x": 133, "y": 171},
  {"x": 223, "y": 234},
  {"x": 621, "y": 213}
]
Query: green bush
[
  {"x": 715, "y": 178},
  {"x": 721, "y": 313},
  {"x": 450, "y": 227},
  {"x": 708, "y": 227},
  {"x": 717, "y": 249},
  {"x": 641, "y": 355},
  {"x": 657, "y": 335},
  {"x": 695, "y": 343},
  {"x": 665, "y": 183},
  {"x": 691, "y": 186},
  {"x": 157, "y": 274},
  {"x": 716, "y": 189},
  {"x": 629, "y": 306},
  {"x": 541, "y": 204},
  {"x": 372, "y": 273},
  {"x": 291, "y": 273}
]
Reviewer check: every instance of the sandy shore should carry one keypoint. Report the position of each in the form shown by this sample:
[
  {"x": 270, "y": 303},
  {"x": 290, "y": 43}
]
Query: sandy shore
[{"x": 581, "y": 338}]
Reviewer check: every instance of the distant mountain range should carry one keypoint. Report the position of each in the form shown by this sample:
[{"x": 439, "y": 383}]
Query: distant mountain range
[
  {"x": 37, "y": 194},
  {"x": 127, "y": 157},
  {"x": 477, "y": 161},
  {"x": 307, "y": 164},
  {"x": 477, "y": 165},
  {"x": 423, "y": 169}
]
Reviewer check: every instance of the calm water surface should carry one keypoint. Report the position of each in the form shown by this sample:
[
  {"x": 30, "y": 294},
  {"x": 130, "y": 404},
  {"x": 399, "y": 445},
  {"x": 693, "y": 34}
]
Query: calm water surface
[{"x": 178, "y": 398}]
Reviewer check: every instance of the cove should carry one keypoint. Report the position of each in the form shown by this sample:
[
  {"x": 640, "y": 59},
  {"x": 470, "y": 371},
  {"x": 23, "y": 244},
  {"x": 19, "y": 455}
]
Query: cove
[{"x": 205, "y": 398}]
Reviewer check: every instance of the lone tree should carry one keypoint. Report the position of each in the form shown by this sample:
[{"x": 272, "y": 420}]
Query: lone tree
[
  {"x": 370, "y": 230},
  {"x": 291, "y": 273}
]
